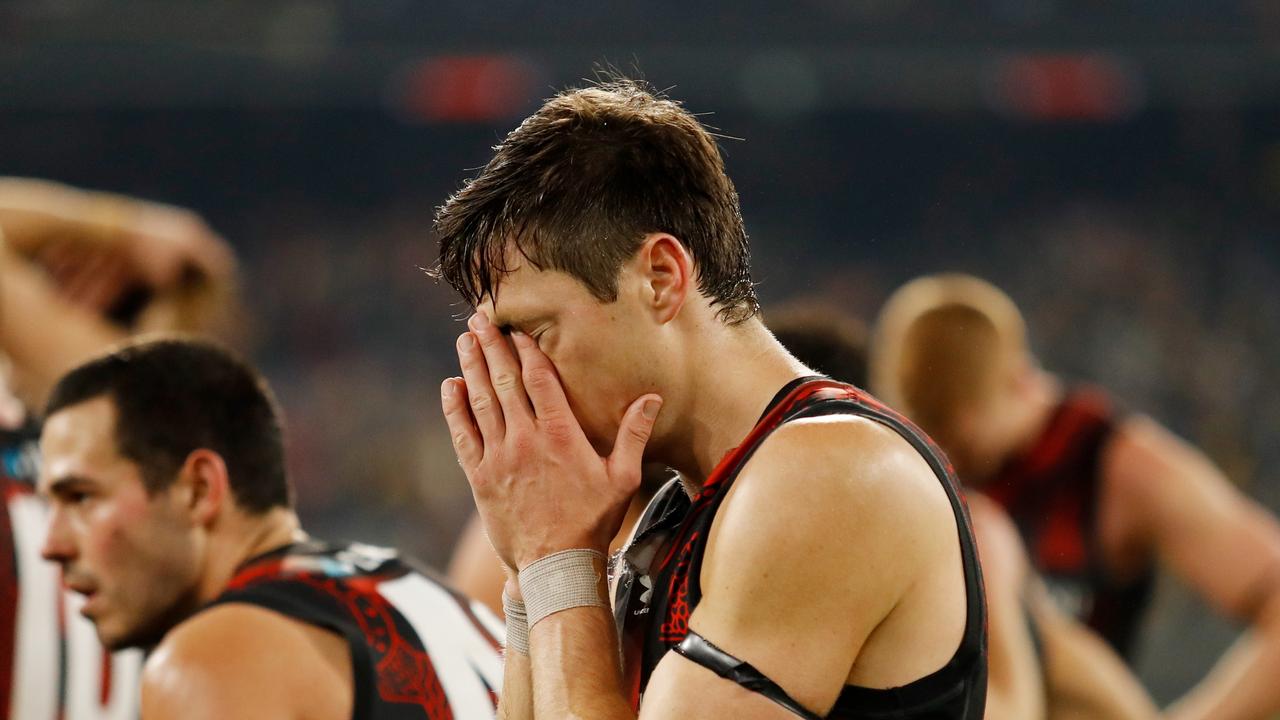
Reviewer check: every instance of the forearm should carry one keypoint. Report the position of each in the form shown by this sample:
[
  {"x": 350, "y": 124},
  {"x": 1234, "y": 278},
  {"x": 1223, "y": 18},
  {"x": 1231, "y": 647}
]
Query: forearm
[
  {"x": 43, "y": 335},
  {"x": 1085, "y": 680},
  {"x": 576, "y": 671},
  {"x": 31, "y": 211},
  {"x": 1242, "y": 686},
  {"x": 517, "y": 688}
]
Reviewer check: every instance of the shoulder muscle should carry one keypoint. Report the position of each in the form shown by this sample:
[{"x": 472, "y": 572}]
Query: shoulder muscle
[{"x": 243, "y": 661}]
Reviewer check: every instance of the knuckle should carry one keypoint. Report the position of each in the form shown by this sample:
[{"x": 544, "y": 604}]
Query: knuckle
[
  {"x": 639, "y": 433},
  {"x": 505, "y": 381},
  {"x": 481, "y": 402}
]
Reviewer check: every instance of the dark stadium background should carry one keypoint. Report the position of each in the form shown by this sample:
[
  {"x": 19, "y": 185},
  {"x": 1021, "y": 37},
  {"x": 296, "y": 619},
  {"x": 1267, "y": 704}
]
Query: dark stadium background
[{"x": 1115, "y": 166}]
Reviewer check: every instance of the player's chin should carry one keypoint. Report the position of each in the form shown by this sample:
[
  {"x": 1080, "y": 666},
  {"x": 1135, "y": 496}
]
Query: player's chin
[
  {"x": 115, "y": 635},
  {"x": 111, "y": 637}
]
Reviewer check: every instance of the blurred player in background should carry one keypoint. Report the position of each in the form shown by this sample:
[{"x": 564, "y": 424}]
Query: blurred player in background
[
  {"x": 1099, "y": 496},
  {"x": 1042, "y": 662},
  {"x": 173, "y": 516},
  {"x": 85, "y": 269},
  {"x": 79, "y": 271}
]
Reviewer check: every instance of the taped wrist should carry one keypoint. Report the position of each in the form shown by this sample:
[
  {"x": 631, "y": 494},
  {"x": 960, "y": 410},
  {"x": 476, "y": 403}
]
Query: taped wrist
[
  {"x": 517, "y": 624},
  {"x": 562, "y": 581}
]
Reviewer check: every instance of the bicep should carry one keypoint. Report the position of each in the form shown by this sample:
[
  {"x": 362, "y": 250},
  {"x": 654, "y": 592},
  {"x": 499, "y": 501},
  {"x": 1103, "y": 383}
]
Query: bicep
[
  {"x": 795, "y": 583},
  {"x": 1203, "y": 527}
]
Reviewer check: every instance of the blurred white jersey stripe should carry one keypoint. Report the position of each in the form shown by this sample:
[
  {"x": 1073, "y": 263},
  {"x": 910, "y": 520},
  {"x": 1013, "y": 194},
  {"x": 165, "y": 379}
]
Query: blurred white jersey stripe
[
  {"x": 58, "y": 665},
  {"x": 462, "y": 648}
]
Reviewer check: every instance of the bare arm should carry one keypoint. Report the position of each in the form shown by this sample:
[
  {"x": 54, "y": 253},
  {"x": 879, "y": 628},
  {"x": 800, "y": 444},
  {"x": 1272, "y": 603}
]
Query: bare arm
[
  {"x": 161, "y": 241},
  {"x": 97, "y": 247},
  {"x": 1084, "y": 677},
  {"x": 818, "y": 604},
  {"x": 43, "y": 334},
  {"x": 1015, "y": 679},
  {"x": 1219, "y": 542},
  {"x": 516, "y": 701},
  {"x": 225, "y": 663},
  {"x": 35, "y": 211},
  {"x": 1077, "y": 676},
  {"x": 800, "y": 623}
]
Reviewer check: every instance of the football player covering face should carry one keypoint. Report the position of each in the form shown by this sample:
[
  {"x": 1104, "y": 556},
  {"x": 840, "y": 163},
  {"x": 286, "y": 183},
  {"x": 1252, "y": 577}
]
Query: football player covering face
[{"x": 832, "y": 552}]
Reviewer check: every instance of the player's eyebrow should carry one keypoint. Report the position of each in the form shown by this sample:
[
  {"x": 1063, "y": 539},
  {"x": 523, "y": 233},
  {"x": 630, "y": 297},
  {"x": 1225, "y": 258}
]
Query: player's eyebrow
[{"x": 64, "y": 485}]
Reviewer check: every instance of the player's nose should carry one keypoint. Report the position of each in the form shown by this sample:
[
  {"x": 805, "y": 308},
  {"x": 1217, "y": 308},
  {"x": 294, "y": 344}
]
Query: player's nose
[{"x": 58, "y": 544}]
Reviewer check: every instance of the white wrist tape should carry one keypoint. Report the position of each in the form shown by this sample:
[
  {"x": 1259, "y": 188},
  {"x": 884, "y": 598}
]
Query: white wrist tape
[
  {"x": 561, "y": 581},
  {"x": 517, "y": 624}
]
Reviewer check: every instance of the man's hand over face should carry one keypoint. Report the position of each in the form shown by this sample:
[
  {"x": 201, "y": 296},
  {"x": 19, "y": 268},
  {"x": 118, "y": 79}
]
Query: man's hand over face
[{"x": 539, "y": 485}]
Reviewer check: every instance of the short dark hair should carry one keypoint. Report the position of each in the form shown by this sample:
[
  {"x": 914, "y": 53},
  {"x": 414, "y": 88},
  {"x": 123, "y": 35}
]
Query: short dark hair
[
  {"x": 824, "y": 338},
  {"x": 580, "y": 182},
  {"x": 173, "y": 396}
]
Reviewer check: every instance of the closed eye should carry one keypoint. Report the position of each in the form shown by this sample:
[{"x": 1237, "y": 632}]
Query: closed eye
[{"x": 72, "y": 491}]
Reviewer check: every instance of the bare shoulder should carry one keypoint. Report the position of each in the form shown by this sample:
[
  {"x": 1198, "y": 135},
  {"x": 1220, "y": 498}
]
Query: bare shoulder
[
  {"x": 855, "y": 465},
  {"x": 845, "y": 487},
  {"x": 240, "y": 660},
  {"x": 1142, "y": 447}
]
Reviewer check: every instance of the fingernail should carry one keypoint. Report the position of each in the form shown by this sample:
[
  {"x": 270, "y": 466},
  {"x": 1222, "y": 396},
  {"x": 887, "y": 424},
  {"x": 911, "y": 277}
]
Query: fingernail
[
  {"x": 519, "y": 337},
  {"x": 466, "y": 341},
  {"x": 651, "y": 408},
  {"x": 479, "y": 321},
  {"x": 446, "y": 388}
]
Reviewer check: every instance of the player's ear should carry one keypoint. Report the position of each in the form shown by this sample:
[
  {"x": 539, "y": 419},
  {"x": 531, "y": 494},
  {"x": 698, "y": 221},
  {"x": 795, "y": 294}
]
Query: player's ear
[
  {"x": 203, "y": 486},
  {"x": 666, "y": 271}
]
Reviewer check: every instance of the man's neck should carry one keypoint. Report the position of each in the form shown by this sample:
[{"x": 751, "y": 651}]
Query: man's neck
[
  {"x": 738, "y": 371},
  {"x": 242, "y": 538}
]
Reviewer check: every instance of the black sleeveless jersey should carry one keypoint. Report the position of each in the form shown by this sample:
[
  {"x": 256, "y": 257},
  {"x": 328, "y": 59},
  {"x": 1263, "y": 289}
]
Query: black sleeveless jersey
[
  {"x": 419, "y": 651},
  {"x": 1051, "y": 493},
  {"x": 657, "y": 583}
]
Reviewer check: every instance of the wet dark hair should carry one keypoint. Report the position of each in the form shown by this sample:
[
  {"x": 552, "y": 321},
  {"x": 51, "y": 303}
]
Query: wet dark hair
[
  {"x": 578, "y": 185},
  {"x": 173, "y": 396}
]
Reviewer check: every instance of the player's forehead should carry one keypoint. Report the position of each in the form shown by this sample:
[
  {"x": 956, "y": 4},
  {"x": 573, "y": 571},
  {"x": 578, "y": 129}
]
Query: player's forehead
[
  {"x": 79, "y": 440},
  {"x": 528, "y": 292}
]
